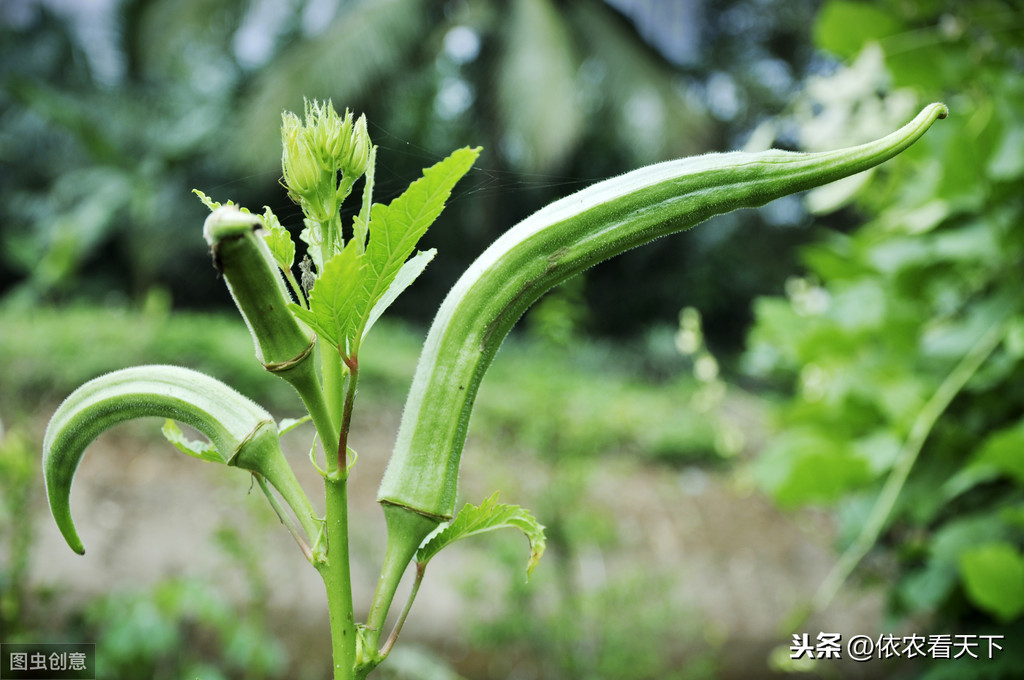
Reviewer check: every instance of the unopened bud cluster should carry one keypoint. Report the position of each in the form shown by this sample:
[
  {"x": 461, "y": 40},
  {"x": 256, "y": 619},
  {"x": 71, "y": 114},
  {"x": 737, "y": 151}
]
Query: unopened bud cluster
[{"x": 316, "y": 150}]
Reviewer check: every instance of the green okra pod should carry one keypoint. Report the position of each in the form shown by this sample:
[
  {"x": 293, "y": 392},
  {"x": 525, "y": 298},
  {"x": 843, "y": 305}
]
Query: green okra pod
[
  {"x": 242, "y": 433},
  {"x": 257, "y": 288},
  {"x": 282, "y": 344},
  {"x": 419, "y": 487},
  {"x": 558, "y": 242}
]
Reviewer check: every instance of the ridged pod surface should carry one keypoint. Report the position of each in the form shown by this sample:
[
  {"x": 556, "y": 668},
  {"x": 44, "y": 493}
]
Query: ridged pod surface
[
  {"x": 243, "y": 434},
  {"x": 558, "y": 242}
]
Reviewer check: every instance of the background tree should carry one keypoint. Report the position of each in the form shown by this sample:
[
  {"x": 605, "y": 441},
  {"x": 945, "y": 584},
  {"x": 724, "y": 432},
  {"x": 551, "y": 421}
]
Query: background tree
[{"x": 559, "y": 94}]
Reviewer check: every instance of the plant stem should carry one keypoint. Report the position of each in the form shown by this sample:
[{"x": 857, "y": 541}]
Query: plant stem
[
  {"x": 919, "y": 432},
  {"x": 303, "y": 379},
  {"x": 334, "y": 393},
  {"x": 406, "y": 531},
  {"x": 346, "y": 414},
  {"x": 337, "y": 579},
  {"x": 287, "y": 520},
  {"x": 296, "y": 288},
  {"x": 335, "y": 570}
]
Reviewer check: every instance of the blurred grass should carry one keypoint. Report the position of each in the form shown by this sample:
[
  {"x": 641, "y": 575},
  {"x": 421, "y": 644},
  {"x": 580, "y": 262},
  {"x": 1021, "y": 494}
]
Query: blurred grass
[
  {"x": 585, "y": 398},
  {"x": 589, "y": 398},
  {"x": 47, "y": 353}
]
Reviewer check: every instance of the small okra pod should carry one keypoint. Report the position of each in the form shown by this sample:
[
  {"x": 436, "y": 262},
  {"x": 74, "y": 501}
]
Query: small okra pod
[
  {"x": 243, "y": 434},
  {"x": 282, "y": 344},
  {"x": 556, "y": 243},
  {"x": 257, "y": 287}
]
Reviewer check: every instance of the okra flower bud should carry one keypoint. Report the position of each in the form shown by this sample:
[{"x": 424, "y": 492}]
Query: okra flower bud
[
  {"x": 328, "y": 133},
  {"x": 359, "y": 150},
  {"x": 307, "y": 181}
]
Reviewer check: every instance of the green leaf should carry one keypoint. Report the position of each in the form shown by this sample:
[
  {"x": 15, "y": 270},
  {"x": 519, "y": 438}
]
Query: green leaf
[
  {"x": 207, "y": 201},
  {"x": 354, "y": 288},
  {"x": 278, "y": 240},
  {"x": 197, "y": 449},
  {"x": 395, "y": 228},
  {"x": 1002, "y": 449},
  {"x": 489, "y": 516},
  {"x": 993, "y": 576},
  {"x": 807, "y": 465},
  {"x": 409, "y": 272},
  {"x": 213, "y": 205},
  {"x": 331, "y": 302}
]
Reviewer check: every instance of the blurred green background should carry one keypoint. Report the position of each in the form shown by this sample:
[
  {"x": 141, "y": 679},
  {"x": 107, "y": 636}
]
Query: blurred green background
[{"x": 826, "y": 390}]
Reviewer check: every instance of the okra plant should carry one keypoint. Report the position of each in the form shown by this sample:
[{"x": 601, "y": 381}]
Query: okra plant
[{"x": 308, "y": 328}]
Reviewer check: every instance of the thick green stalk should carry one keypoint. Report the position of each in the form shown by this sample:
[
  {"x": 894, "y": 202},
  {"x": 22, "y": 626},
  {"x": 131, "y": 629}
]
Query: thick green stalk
[
  {"x": 406, "y": 532},
  {"x": 334, "y": 569},
  {"x": 554, "y": 244}
]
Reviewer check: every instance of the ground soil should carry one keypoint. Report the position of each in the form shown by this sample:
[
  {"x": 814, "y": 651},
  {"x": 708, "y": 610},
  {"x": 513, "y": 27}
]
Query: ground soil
[{"x": 739, "y": 565}]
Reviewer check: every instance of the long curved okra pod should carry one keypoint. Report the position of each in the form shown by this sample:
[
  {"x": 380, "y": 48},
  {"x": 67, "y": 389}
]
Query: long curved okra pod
[
  {"x": 559, "y": 241},
  {"x": 242, "y": 433}
]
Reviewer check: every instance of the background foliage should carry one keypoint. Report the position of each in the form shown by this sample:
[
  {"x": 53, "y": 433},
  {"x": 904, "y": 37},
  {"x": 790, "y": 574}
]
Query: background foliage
[
  {"x": 900, "y": 349},
  {"x": 110, "y": 120}
]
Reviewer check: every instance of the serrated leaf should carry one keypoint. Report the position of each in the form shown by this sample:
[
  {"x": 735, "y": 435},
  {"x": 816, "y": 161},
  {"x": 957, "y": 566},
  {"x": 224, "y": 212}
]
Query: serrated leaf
[
  {"x": 197, "y": 449},
  {"x": 409, "y": 272},
  {"x": 397, "y": 227},
  {"x": 332, "y": 305},
  {"x": 207, "y": 201},
  {"x": 488, "y": 516},
  {"x": 213, "y": 205},
  {"x": 279, "y": 241}
]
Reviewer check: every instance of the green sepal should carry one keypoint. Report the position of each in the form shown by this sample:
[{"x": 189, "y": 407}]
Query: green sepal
[{"x": 288, "y": 424}]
